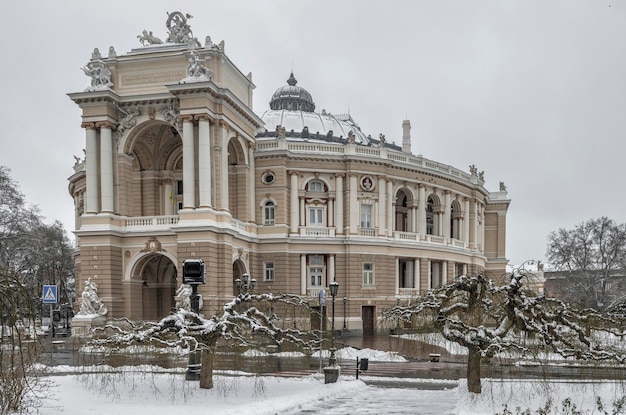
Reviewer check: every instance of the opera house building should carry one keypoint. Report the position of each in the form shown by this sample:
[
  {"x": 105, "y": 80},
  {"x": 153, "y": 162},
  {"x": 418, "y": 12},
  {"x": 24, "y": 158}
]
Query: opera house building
[{"x": 178, "y": 165}]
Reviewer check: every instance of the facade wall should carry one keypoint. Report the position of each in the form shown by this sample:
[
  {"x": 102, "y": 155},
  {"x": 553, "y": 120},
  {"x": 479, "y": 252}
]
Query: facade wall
[{"x": 190, "y": 180}]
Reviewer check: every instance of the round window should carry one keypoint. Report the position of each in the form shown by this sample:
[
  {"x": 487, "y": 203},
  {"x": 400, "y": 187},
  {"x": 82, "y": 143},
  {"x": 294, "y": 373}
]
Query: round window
[{"x": 268, "y": 178}]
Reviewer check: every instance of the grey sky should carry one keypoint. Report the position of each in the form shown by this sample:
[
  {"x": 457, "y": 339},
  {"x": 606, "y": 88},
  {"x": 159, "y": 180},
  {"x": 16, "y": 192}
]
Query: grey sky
[{"x": 531, "y": 92}]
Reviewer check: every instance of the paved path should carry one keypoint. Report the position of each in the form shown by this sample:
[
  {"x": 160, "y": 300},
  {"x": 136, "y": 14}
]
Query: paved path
[{"x": 377, "y": 400}]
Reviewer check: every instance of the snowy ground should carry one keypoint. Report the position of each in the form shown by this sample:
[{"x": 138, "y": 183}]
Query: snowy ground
[{"x": 131, "y": 390}]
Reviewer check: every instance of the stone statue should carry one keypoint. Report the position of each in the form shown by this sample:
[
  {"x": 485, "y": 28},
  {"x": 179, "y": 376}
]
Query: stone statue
[
  {"x": 147, "y": 38},
  {"x": 91, "y": 303},
  {"x": 502, "y": 187},
  {"x": 112, "y": 53},
  {"x": 481, "y": 176},
  {"x": 95, "y": 55},
  {"x": 382, "y": 139},
  {"x": 170, "y": 114},
  {"x": 473, "y": 170},
  {"x": 179, "y": 30},
  {"x": 183, "y": 297},
  {"x": 128, "y": 121},
  {"x": 351, "y": 137},
  {"x": 100, "y": 75},
  {"x": 196, "y": 68},
  {"x": 281, "y": 132}
]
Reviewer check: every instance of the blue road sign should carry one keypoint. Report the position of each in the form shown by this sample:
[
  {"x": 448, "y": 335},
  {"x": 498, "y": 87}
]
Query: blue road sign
[{"x": 50, "y": 294}]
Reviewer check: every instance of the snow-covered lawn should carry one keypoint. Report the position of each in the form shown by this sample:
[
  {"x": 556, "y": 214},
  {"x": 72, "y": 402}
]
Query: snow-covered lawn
[{"x": 134, "y": 390}]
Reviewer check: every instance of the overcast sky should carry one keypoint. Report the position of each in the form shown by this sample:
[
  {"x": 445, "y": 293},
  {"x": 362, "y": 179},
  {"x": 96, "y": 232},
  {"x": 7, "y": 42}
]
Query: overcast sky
[{"x": 531, "y": 92}]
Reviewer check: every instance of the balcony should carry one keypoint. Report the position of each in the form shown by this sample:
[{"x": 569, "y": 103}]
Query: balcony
[
  {"x": 150, "y": 222},
  {"x": 408, "y": 292},
  {"x": 317, "y": 232}
]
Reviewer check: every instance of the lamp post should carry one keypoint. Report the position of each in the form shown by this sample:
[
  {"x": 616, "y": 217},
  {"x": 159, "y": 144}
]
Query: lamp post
[
  {"x": 245, "y": 284},
  {"x": 194, "y": 274},
  {"x": 331, "y": 373},
  {"x": 345, "y": 300}
]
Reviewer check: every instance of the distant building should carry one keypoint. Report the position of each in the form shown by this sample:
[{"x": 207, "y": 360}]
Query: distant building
[
  {"x": 585, "y": 290},
  {"x": 178, "y": 166}
]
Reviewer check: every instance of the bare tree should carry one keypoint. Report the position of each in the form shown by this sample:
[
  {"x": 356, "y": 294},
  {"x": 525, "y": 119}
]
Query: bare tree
[
  {"x": 591, "y": 256},
  {"x": 241, "y": 323},
  {"x": 489, "y": 319},
  {"x": 17, "y": 350}
]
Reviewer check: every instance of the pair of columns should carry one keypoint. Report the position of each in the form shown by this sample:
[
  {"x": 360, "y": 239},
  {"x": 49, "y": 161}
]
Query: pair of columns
[{"x": 99, "y": 170}]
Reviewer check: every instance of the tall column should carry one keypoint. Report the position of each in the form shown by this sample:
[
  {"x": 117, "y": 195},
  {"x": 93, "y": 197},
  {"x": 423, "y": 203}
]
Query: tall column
[
  {"x": 294, "y": 208},
  {"x": 168, "y": 197},
  {"x": 252, "y": 182},
  {"x": 382, "y": 204},
  {"x": 354, "y": 207},
  {"x": 416, "y": 270},
  {"x": 204, "y": 160},
  {"x": 331, "y": 212},
  {"x": 397, "y": 268},
  {"x": 446, "y": 214},
  {"x": 106, "y": 167},
  {"x": 466, "y": 220},
  {"x": 421, "y": 210},
  {"x": 224, "y": 203},
  {"x": 339, "y": 204},
  {"x": 444, "y": 272},
  {"x": 303, "y": 279},
  {"x": 331, "y": 268},
  {"x": 91, "y": 164},
  {"x": 189, "y": 177},
  {"x": 390, "y": 199}
]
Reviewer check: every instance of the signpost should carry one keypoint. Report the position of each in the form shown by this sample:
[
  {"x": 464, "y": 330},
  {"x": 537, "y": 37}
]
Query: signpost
[{"x": 50, "y": 296}]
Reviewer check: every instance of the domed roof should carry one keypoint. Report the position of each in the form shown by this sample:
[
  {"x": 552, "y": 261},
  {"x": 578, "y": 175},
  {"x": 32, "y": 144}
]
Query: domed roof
[
  {"x": 293, "y": 108},
  {"x": 292, "y": 97}
]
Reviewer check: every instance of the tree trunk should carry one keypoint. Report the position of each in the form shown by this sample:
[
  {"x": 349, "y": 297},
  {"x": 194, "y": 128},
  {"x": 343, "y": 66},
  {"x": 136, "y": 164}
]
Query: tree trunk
[
  {"x": 206, "y": 373},
  {"x": 473, "y": 369}
]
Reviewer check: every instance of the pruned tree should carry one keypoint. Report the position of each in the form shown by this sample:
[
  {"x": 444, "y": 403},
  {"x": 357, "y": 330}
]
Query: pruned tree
[
  {"x": 590, "y": 256},
  {"x": 488, "y": 319},
  {"x": 242, "y": 322}
]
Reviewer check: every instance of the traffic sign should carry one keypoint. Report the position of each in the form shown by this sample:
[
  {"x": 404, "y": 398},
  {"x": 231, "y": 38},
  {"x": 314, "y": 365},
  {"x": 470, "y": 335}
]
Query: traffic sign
[{"x": 50, "y": 294}]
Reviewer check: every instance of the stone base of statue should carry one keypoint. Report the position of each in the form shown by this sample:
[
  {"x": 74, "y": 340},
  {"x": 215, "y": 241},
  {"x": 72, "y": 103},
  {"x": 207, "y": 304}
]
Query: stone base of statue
[
  {"x": 82, "y": 328},
  {"x": 331, "y": 374}
]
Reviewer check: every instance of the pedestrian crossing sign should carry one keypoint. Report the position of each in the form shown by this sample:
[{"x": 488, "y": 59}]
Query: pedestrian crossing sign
[{"x": 50, "y": 294}]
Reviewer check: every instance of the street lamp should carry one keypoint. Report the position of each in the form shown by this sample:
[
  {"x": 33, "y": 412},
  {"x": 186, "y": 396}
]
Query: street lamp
[
  {"x": 331, "y": 373},
  {"x": 345, "y": 300},
  {"x": 245, "y": 284},
  {"x": 334, "y": 287},
  {"x": 194, "y": 274}
]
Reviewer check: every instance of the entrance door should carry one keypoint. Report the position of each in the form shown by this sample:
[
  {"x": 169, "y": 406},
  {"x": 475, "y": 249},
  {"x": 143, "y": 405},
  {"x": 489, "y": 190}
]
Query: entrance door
[{"x": 368, "y": 320}]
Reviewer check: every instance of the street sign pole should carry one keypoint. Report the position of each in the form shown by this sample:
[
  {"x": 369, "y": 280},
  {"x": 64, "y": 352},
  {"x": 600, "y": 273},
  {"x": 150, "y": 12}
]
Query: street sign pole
[{"x": 49, "y": 296}]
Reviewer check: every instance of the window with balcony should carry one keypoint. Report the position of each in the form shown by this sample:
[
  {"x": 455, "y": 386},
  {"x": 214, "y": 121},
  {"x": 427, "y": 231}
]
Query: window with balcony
[
  {"x": 268, "y": 271},
  {"x": 317, "y": 271},
  {"x": 316, "y": 216},
  {"x": 368, "y": 274},
  {"x": 366, "y": 216},
  {"x": 268, "y": 213}
]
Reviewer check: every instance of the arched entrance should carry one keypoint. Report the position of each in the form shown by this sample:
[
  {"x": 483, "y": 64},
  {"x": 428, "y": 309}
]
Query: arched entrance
[
  {"x": 157, "y": 275},
  {"x": 239, "y": 268}
]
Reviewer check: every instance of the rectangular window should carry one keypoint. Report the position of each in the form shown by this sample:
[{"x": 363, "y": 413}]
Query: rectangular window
[
  {"x": 316, "y": 216},
  {"x": 366, "y": 216},
  {"x": 179, "y": 187},
  {"x": 316, "y": 276},
  {"x": 268, "y": 271},
  {"x": 268, "y": 213},
  {"x": 368, "y": 274}
]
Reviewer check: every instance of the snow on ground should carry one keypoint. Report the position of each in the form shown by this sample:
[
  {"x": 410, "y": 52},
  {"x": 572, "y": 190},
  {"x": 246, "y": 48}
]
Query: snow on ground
[{"x": 133, "y": 390}]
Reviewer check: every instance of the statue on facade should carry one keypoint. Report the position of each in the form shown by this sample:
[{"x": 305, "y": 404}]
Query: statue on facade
[
  {"x": 196, "y": 68},
  {"x": 100, "y": 75},
  {"x": 91, "y": 303},
  {"x": 351, "y": 137},
  {"x": 481, "y": 176},
  {"x": 183, "y": 298},
  {"x": 147, "y": 38},
  {"x": 179, "y": 29},
  {"x": 473, "y": 170},
  {"x": 128, "y": 121},
  {"x": 502, "y": 187},
  {"x": 382, "y": 139},
  {"x": 281, "y": 132}
]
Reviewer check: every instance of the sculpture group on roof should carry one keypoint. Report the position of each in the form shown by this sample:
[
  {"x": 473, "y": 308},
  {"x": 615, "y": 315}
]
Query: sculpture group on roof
[{"x": 100, "y": 75}]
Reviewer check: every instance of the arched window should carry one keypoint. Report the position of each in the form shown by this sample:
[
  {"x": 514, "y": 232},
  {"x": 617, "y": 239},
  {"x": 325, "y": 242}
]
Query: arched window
[
  {"x": 316, "y": 186},
  {"x": 430, "y": 216},
  {"x": 268, "y": 213}
]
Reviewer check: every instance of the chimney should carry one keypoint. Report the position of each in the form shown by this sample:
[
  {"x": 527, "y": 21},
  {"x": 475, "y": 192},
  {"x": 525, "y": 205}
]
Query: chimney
[{"x": 406, "y": 136}]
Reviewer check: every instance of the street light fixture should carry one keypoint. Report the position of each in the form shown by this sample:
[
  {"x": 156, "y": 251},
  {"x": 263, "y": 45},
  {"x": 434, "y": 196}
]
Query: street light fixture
[
  {"x": 334, "y": 287},
  {"x": 245, "y": 284}
]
